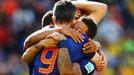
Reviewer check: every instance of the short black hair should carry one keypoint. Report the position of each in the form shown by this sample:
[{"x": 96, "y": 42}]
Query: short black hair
[
  {"x": 47, "y": 18},
  {"x": 64, "y": 11},
  {"x": 92, "y": 26}
]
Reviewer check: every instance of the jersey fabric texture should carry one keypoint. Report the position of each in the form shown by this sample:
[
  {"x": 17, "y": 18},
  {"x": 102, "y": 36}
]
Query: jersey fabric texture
[
  {"x": 75, "y": 50},
  {"x": 45, "y": 62},
  {"x": 87, "y": 67}
]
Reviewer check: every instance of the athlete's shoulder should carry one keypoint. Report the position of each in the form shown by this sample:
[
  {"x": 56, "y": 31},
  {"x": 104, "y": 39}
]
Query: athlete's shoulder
[{"x": 69, "y": 39}]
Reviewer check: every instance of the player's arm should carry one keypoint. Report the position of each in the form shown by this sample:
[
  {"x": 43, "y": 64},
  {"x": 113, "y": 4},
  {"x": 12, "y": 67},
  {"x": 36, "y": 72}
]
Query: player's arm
[
  {"x": 90, "y": 47},
  {"x": 32, "y": 51},
  {"x": 65, "y": 66},
  {"x": 41, "y": 34},
  {"x": 100, "y": 62},
  {"x": 38, "y": 35},
  {"x": 103, "y": 63},
  {"x": 64, "y": 63},
  {"x": 96, "y": 10}
]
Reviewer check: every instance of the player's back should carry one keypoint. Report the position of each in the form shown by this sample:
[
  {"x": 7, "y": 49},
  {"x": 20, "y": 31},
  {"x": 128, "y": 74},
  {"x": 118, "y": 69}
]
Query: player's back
[
  {"x": 45, "y": 62},
  {"x": 77, "y": 56},
  {"x": 75, "y": 49}
]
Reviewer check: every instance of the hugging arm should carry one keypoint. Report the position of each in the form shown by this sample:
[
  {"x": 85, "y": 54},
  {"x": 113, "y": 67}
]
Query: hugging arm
[
  {"x": 32, "y": 51},
  {"x": 99, "y": 59},
  {"x": 66, "y": 67},
  {"x": 38, "y": 35},
  {"x": 96, "y": 10},
  {"x": 95, "y": 13}
]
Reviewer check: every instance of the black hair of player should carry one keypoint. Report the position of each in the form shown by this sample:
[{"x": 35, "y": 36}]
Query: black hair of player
[
  {"x": 47, "y": 18},
  {"x": 64, "y": 11},
  {"x": 92, "y": 27}
]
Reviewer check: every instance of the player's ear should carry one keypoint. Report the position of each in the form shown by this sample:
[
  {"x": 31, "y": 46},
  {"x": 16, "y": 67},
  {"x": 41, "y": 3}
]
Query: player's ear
[{"x": 54, "y": 19}]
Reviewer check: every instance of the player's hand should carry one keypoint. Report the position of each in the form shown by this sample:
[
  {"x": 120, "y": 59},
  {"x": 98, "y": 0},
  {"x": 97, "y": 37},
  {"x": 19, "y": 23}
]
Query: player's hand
[
  {"x": 74, "y": 34},
  {"x": 48, "y": 43},
  {"x": 103, "y": 63},
  {"x": 57, "y": 36},
  {"x": 97, "y": 59},
  {"x": 78, "y": 14},
  {"x": 90, "y": 46}
]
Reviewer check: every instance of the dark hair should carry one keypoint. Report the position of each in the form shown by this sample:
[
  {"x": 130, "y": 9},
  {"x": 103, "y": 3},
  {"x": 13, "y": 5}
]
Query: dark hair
[
  {"x": 92, "y": 27},
  {"x": 64, "y": 11},
  {"x": 47, "y": 18}
]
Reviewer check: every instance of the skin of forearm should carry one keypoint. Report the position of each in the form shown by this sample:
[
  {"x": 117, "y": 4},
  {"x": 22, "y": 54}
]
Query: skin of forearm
[
  {"x": 96, "y": 10},
  {"x": 65, "y": 65},
  {"x": 31, "y": 52},
  {"x": 38, "y": 36},
  {"x": 76, "y": 69}
]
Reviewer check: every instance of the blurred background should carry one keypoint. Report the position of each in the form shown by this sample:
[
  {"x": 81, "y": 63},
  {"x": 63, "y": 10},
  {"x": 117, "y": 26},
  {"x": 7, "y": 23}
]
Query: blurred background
[{"x": 19, "y": 18}]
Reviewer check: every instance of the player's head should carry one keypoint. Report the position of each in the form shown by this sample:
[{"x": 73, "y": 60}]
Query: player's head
[
  {"x": 87, "y": 26},
  {"x": 47, "y": 18},
  {"x": 79, "y": 13},
  {"x": 64, "y": 12}
]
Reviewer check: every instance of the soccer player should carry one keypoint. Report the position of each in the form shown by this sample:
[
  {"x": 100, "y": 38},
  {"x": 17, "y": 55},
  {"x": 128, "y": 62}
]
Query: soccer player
[
  {"x": 95, "y": 11},
  {"x": 46, "y": 21},
  {"x": 42, "y": 63},
  {"x": 64, "y": 61}
]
